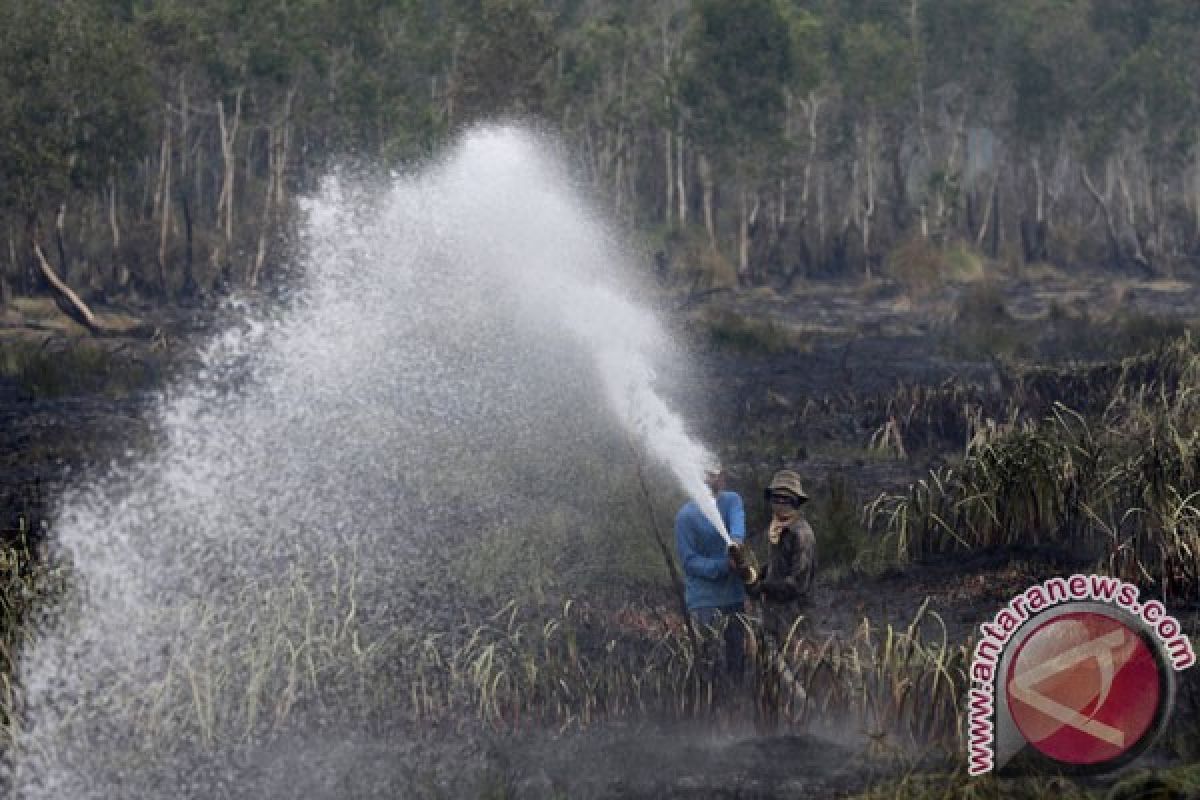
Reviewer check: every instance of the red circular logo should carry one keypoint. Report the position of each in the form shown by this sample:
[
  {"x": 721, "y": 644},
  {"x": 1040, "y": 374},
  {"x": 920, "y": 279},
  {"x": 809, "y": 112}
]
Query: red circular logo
[{"x": 1084, "y": 688}]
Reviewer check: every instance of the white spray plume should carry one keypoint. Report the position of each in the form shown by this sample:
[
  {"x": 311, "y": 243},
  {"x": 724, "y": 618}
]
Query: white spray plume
[
  {"x": 443, "y": 334},
  {"x": 624, "y": 337},
  {"x": 621, "y": 335}
]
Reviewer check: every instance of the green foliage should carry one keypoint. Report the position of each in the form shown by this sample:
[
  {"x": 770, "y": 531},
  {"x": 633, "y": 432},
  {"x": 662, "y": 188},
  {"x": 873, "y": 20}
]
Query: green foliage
[
  {"x": 876, "y": 66},
  {"x": 507, "y": 45},
  {"x": 810, "y": 59},
  {"x": 81, "y": 78},
  {"x": 103, "y": 101},
  {"x": 73, "y": 96},
  {"x": 740, "y": 58},
  {"x": 961, "y": 41},
  {"x": 1054, "y": 58},
  {"x": 1154, "y": 90}
]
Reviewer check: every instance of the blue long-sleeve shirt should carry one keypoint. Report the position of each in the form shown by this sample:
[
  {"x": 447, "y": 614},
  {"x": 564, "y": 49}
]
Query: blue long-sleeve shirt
[{"x": 709, "y": 582}]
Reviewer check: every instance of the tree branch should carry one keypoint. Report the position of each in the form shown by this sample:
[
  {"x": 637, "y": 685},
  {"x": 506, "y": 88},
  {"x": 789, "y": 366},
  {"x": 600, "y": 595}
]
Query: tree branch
[{"x": 74, "y": 307}]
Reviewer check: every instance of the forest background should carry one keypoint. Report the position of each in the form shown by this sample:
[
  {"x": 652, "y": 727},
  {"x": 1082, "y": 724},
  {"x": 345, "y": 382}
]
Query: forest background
[{"x": 150, "y": 147}]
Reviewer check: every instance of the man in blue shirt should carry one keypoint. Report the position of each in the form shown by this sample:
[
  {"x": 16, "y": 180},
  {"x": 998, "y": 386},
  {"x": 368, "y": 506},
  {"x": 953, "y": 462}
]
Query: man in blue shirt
[{"x": 714, "y": 590}]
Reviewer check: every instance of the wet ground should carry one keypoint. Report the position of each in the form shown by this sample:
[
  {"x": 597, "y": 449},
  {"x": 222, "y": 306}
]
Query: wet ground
[
  {"x": 638, "y": 761},
  {"x": 642, "y": 761}
]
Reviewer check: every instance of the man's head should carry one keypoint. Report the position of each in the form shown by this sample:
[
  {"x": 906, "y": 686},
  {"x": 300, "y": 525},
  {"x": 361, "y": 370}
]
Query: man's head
[
  {"x": 714, "y": 478},
  {"x": 785, "y": 494}
]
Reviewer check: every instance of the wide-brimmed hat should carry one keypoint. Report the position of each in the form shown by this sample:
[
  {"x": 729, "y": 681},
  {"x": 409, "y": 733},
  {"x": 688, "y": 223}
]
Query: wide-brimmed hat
[{"x": 785, "y": 480}]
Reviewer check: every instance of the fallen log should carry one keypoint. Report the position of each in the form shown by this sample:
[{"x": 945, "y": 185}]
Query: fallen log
[{"x": 73, "y": 306}]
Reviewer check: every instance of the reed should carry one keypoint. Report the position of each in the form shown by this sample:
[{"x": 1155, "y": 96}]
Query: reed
[{"x": 1118, "y": 485}]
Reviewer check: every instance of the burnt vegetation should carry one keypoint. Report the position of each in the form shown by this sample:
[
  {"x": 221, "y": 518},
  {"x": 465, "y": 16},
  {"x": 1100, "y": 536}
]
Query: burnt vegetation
[{"x": 942, "y": 154}]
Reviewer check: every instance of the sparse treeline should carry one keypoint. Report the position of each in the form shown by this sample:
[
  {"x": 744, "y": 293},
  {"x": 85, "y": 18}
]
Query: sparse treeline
[{"x": 151, "y": 146}]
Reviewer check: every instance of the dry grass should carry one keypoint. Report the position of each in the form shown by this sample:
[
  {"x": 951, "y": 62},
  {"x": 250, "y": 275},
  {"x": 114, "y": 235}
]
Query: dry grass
[
  {"x": 1120, "y": 484},
  {"x": 55, "y": 365},
  {"x": 514, "y": 670},
  {"x": 255, "y": 663},
  {"x": 894, "y": 685},
  {"x": 27, "y": 585}
]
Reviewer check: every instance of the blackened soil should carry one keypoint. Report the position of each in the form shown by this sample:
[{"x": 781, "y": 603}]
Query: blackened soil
[
  {"x": 809, "y": 408},
  {"x": 49, "y": 443},
  {"x": 693, "y": 761}
]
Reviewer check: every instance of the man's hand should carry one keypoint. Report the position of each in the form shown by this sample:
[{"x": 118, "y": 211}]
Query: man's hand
[
  {"x": 775, "y": 531},
  {"x": 739, "y": 564}
]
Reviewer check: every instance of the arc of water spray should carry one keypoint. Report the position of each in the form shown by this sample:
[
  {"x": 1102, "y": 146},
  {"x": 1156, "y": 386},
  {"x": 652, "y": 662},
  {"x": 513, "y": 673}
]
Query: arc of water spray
[
  {"x": 630, "y": 384},
  {"x": 390, "y": 372},
  {"x": 571, "y": 278},
  {"x": 621, "y": 335}
]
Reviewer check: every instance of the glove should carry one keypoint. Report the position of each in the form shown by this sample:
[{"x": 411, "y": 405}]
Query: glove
[{"x": 740, "y": 565}]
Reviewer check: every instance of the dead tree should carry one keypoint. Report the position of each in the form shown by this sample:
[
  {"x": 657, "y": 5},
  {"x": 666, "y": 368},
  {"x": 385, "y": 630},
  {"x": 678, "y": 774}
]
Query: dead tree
[{"x": 73, "y": 306}]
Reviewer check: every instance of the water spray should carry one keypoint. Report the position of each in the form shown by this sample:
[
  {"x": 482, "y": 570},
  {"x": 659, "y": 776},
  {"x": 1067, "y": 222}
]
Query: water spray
[{"x": 445, "y": 331}]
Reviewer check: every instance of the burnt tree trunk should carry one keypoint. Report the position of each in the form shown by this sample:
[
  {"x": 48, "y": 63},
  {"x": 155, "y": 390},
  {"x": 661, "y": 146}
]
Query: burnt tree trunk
[
  {"x": 708, "y": 189},
  {"x": 1110, "y": 227},
  {"x": 190, "y": 289}
]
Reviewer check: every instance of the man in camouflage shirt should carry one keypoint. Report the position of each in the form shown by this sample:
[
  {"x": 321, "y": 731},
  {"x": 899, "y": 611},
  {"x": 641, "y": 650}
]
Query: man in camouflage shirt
[{"x": 784, "y": 584}]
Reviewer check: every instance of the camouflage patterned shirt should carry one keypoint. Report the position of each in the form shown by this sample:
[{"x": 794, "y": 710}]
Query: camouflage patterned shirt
[{"x": 786, "y": 581}]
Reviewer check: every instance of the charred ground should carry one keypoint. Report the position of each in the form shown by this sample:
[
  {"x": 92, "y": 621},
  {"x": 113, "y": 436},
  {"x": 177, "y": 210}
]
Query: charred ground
[{"x": 863, "y": 390}]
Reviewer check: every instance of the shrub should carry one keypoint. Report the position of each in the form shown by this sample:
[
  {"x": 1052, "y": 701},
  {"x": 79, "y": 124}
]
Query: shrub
[
  {"x": 982, "y": 328},
  {"x": 695, "y": 264},
  {"x": 728, "y": 329},
  {"x": 837, "y": 523},
  {"x": 921, "y": 265},
  {"x": 56, "y": 367}
]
